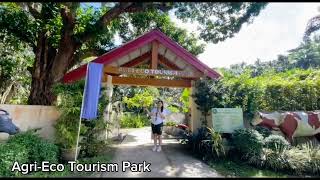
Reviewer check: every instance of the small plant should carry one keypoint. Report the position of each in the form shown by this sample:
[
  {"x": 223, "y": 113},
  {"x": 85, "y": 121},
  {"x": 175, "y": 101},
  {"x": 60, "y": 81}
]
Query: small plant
[
  {"x": 265, "y": 132},
  {"x": 66, "y": 131},
  {"x": 194, "y": 140},
  {"x": 276, "y": 158},
  {"x": 91, "y": 145},
  {"x": 314, "y": 161},
  {"x": 304, "y": 159},
  {"x": 93, "y": 148},
  {"x": 248, "y": 142},
  {"x": 276, "y": 142},
  {"x": 216, "y": 141},
  {"x": 298, "y": 160},
  {"x": 213, "y": 147}
]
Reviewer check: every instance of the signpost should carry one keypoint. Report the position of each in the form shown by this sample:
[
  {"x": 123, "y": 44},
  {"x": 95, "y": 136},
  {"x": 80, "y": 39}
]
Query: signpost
[{"x": 226, "y": 120}]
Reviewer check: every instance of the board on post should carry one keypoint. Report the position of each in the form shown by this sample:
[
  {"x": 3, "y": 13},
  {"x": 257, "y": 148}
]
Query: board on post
[{"x": 226, "y": 120}]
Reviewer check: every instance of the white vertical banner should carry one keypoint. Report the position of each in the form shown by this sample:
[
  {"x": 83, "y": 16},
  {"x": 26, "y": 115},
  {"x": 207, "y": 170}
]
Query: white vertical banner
[{"x": 109, "y": 93}]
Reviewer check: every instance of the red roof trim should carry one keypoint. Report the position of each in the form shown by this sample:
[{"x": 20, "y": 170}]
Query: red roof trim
[
  {"x": 130, "y": 46},
  {"x": 180, "y": 51},
  {"x": 107, "y": 58}
]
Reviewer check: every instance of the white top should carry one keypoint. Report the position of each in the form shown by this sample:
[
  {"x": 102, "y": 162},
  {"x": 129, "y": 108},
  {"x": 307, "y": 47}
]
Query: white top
[{"x": 156, "y": 118}]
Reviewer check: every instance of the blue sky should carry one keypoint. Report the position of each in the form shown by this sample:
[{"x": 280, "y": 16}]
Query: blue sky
[{"x": 277, "y": 29}]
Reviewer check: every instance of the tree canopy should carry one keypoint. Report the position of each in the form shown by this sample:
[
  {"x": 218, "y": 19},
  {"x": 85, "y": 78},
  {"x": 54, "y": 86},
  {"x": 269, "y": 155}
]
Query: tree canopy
[
  {"x": 61, "y": 35},
  {"x": 15, "y": 60}
]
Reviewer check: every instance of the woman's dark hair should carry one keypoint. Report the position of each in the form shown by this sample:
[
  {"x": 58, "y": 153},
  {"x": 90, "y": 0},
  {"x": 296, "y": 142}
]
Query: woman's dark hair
[{"x": 162, "y": 105}]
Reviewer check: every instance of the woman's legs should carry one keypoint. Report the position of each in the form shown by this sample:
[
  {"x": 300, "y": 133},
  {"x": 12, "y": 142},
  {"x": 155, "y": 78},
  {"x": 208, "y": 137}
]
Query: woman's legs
[
  {"x": 159, "y": 137},
  {"x": 154, "y": 142},
  {"x": 156, "y": 132},
  {"x": 155, "y": 139},
  {"x": 160, "y": 140}
]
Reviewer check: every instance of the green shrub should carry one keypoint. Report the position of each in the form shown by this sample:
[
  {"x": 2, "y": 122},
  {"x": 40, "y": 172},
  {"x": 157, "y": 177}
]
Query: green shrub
[
  {"x": 291, "y": 90},
  {"x": 29, "y": 141},
  {"x": 304, "y": 159},
  {"x": 129, "y": 120},
  {"x": 37, "y": 148},
  {"x": 170, "y": 123},
  {"x": 47, "y": 152},
  {"x": 265, "y": 132},
  {"x": 69, "y": 106},
  {"x": 213, "y": 147},
  {"x": 26, "y": 147},
  {"x": 66, "y": 131},
  {"x": 248, "y": 142},
  {"x": 91, "y": 144},
  {"x": 276, "y": 142},
  {"x": 313, "y": 151},
  {"x": 276, "y": 159},
  {"x": 298, "y": 160},
  {"x": 10, "y": 153},
  {"x": 173, "y": 109},
  {"x": 194, "y": 140},
  {"x": 91, "y": 148}
]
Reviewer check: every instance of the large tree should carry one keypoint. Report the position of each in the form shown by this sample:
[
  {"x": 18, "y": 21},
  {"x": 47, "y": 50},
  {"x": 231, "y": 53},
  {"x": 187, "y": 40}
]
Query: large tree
[
  {"x": 313, "y": 25},
  {"x": 15, "y": 58},
  {"x": 62, "y": 34}
]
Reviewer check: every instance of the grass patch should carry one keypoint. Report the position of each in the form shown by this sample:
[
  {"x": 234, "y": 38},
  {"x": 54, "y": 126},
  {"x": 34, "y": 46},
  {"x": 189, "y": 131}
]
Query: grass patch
[{"x": 233, "y": 169}]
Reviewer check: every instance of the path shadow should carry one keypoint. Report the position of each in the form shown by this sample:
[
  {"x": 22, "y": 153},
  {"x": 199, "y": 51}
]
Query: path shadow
[{"x": 128, "y": 138}]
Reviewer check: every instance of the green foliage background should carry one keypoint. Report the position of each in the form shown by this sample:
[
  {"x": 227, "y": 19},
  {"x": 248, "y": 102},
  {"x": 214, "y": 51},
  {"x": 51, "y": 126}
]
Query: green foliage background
[{"x": 292, "y": 90}]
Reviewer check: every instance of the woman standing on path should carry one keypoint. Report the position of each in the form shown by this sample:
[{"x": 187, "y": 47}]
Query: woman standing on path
[{"x": 157, "y": 117}]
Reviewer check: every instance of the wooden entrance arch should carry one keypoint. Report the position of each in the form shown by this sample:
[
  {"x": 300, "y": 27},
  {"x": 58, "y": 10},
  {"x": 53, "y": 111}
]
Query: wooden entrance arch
[{"x": 152, "y": 59}]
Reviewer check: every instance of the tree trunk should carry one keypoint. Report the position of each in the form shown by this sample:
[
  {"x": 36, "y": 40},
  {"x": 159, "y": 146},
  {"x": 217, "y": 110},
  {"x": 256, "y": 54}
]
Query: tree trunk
[
  {"x": 40, "y": 93},
  {"x": 6, "y": 95},
  {"x": 49, "y": 68}
]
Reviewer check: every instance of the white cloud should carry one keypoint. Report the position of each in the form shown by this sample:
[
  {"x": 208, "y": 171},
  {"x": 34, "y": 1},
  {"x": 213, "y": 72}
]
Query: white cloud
[{"x": 277, "y": 29}]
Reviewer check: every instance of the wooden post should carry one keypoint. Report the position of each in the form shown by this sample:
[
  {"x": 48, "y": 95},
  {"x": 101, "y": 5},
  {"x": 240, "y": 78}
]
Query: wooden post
[
  {"x": 195, "y": 113},
  {"x": 154, "y": 58},
  {"x": 108, "y": 110}
]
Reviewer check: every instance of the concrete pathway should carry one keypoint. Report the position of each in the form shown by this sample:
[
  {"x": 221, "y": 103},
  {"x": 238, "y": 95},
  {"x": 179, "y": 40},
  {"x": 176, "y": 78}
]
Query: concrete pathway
[{"x": 172, "y": 161}]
